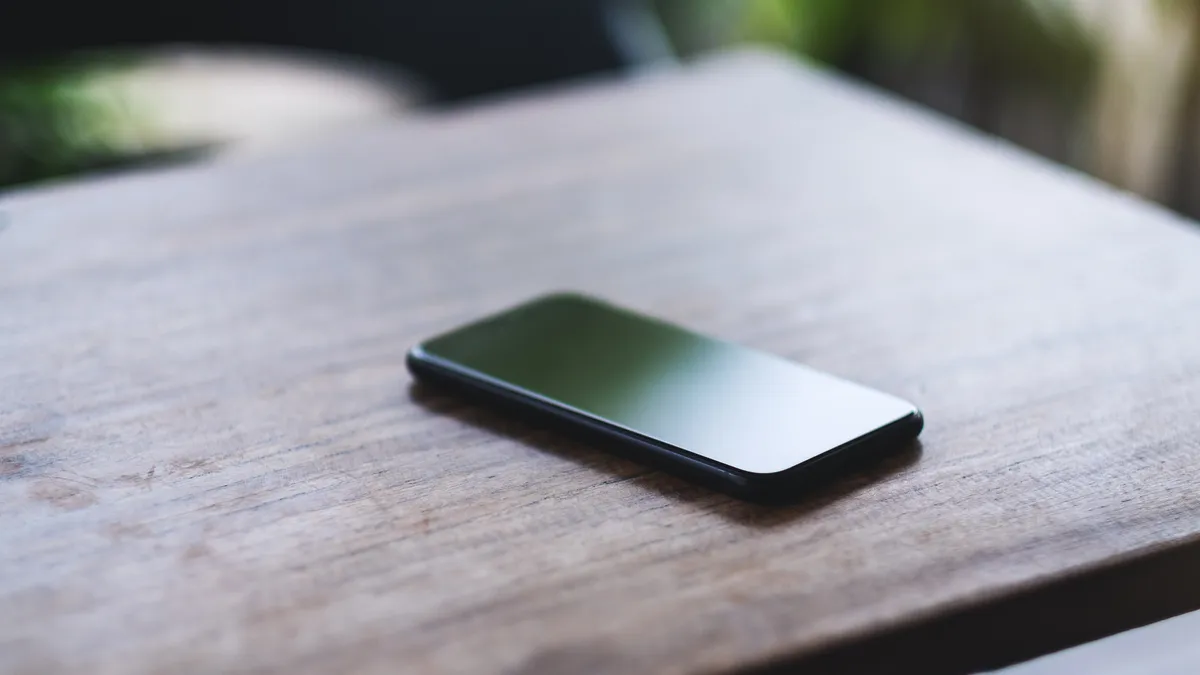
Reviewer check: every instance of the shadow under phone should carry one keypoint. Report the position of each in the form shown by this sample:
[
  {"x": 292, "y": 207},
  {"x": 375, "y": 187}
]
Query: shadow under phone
[{"x": 858, "y": 473}]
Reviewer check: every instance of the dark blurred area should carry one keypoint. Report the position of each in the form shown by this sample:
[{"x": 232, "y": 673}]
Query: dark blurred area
[
  {"x": 464, "y": 47},
  {"x": 1107, "y": 86}
]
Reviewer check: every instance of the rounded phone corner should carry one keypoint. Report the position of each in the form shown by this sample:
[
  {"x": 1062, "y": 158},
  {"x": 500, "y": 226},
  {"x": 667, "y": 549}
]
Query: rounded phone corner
[
  {"x": 916, "y": 419},
  {"x": 415, "y": 358},
  {"x": 908, "y": 427}
]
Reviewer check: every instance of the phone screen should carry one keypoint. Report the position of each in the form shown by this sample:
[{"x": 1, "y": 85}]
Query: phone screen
[{"x": 743, "y": 408}]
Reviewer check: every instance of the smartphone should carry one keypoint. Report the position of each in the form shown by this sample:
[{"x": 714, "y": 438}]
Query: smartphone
[{"x": 742, "y": 421}]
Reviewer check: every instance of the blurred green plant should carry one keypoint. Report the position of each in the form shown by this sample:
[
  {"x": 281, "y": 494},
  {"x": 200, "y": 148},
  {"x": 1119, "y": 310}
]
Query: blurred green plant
[
  {"x": 1035, "y": 38},
  {"x": 1018, "y": 68},
  {"x": 54, "y": 123}
]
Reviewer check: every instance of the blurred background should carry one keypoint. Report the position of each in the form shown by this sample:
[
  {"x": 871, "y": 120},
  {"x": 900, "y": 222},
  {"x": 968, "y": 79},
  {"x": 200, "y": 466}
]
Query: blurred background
[{"x": 1110, "y": 87}]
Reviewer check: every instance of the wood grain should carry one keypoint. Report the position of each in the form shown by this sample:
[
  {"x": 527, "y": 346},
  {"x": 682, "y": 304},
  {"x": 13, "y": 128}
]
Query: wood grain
[{"x": 211, "y": 458}]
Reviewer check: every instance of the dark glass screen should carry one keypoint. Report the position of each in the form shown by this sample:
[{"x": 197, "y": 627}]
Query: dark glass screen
[{"x": 746, "y": 409}]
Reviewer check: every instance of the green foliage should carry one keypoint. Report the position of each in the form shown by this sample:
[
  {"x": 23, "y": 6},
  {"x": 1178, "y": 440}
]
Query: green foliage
[
  {"x": 52, "y": 124},
  {"x": 828, "y": 29},
  {"x": 1030, "y": 38}
]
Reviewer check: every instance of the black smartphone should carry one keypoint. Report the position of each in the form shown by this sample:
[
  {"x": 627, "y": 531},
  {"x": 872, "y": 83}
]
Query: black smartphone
[{"x": 735, "y": 419}]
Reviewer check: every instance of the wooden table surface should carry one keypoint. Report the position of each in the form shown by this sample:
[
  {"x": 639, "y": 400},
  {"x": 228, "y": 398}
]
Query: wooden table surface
[{"x": 212, "y": 459}]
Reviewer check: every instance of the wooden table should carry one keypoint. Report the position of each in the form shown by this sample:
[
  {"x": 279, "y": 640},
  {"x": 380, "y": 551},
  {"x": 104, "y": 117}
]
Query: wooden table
[{"x": 211, "y": 458}]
